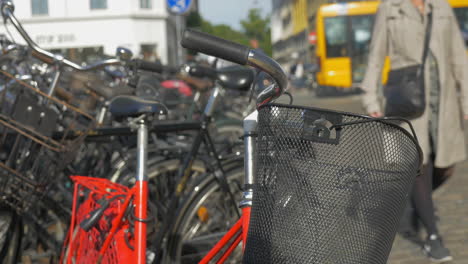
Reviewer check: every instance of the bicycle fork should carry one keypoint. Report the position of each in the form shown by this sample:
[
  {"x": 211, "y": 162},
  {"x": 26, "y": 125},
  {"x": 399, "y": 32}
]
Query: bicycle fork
[
  {"x": 141, "y": 192},
  {"x": 238, "y": 233}
]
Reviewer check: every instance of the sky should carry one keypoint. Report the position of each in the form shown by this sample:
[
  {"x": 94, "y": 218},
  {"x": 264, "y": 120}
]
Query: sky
[{"x": 231, "y": 12}]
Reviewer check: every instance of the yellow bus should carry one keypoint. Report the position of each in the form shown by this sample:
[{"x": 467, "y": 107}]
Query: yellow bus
[
  {"x": 460, "y": 7},
  {"x": 344, "y": 33}
]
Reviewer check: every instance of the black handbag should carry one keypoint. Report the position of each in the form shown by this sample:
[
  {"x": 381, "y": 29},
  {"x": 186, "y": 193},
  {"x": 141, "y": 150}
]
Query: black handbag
[{"x": 404, "y": 93}]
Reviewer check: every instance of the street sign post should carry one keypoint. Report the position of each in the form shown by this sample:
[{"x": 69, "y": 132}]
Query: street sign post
[{"x": 179, "y": 8}]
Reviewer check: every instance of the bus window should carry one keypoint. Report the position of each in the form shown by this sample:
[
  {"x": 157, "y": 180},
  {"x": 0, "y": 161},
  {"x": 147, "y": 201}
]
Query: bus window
[
  {"x": 361, "y": 28},
  {"x": 343, "y": 44},
  {"x": 462, "y": 17},
  {"x": 336, "y": 37}
]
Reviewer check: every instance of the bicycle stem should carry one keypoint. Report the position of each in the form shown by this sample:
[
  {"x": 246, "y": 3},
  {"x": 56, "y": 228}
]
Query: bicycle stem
[
  {"x": 239, "y": 231},
  {"x": 250, "y": 135},
  {"x": 261, "y": 61}
]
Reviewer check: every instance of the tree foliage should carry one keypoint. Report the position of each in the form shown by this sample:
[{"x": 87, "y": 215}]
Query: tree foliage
[
  {"x": 258, "y": 28},
  {"x": 253, "y": 27}
]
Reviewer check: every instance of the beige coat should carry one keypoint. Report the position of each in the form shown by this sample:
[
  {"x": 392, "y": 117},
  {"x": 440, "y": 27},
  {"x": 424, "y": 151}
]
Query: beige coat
[{"x": 399, "y": 33}]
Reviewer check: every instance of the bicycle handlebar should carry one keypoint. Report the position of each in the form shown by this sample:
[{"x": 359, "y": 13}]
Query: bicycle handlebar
[
  {"x": 148, "y": 66},
  {"x": 7, "y": 9},
  {"x": 215, "y": 46},
  {"x": 240, "y": 54},
  {"x": 153, "y": 66},
  {"x": 202, "y": 71}
]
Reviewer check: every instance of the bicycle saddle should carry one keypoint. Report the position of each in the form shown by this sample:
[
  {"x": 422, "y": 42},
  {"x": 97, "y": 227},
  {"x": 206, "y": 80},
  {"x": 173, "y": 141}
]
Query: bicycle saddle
[
  {"x": 235, "y": 77},
  {"x": 110, "y": 92},
  {"x": 131, "y": 106}
]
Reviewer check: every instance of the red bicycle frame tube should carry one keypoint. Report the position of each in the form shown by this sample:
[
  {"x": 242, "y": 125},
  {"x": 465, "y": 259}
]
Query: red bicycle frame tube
[
  {"x": 245, "y": 224},
  {"x": 115, "y": 225},
  {"x": 236, "y": 234},
  {"x": 141, "y": 200}
]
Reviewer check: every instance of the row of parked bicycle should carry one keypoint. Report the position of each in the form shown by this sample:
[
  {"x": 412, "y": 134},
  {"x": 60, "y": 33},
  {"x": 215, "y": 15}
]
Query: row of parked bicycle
[
  {"x": 59, "y": 119},
  {"x": 170, "y": 159}
]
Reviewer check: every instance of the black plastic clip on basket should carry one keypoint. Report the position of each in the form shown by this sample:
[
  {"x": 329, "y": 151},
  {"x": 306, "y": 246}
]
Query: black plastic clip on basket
[
  {"x": 31, "y": 153},
  {"x": 330, "y": 186}
]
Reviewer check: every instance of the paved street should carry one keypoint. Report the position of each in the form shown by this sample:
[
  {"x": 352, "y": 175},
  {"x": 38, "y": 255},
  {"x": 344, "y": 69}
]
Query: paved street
[{"x": 451, "y": 200}]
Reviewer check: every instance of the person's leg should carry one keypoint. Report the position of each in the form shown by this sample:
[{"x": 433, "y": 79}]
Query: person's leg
[
  {"x": 409, "y": 224},
  {"x": 424, "y": 206},
  {"x": 441, "y": 175},
  {"x": 422, "y": 199}
]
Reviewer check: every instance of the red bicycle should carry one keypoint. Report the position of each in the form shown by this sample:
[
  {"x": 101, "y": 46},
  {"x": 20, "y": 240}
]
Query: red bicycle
[
  {"x": 109, "y": 220},
  {"x": 320, "y": 186}
]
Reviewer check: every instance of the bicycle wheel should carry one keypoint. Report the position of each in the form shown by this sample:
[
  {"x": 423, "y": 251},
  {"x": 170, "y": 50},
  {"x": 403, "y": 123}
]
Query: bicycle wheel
[
  {"x": 203, "y": 219},
  {"x": 11, "y": 230},
  {"x": 161, "y": 177},
  {"x": 228, "y": 130}
]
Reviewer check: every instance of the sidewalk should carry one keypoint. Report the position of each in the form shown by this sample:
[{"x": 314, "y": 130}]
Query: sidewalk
[{"x": 451, "y": 202}]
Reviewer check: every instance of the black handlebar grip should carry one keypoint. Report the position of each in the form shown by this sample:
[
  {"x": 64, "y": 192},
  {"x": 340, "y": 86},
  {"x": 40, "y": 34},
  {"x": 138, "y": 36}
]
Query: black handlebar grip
[
  {"x": 148, "y": 66},
  {"x": 214, "y": 46},
  {"x": 203, "y": 71}
]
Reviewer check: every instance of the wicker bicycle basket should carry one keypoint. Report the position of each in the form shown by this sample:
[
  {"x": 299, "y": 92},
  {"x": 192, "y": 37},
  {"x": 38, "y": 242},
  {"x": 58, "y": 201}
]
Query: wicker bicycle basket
[
  {"x": 330, "y": 186},
  {"x": 35, "y": 142}
]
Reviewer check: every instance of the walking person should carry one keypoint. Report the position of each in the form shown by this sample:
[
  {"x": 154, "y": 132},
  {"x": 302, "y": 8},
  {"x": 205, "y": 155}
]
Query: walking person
[{"x": 400, "y": 32}]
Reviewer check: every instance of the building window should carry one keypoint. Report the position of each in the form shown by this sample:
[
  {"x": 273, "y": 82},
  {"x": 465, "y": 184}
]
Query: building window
[
  {"x": 98, "y": 4},
  {"x": 39, "y": 7},
  {"x": 145, "y": 4},
  {"x": 148, "y": 52}
]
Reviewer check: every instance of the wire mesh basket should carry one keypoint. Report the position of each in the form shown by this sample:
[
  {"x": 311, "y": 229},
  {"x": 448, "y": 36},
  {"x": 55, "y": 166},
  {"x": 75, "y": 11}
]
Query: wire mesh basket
[
  {"x": 108, "y": 239},
  {"x": 330, "y": 186},
  {"x": 35, "y": 142}
]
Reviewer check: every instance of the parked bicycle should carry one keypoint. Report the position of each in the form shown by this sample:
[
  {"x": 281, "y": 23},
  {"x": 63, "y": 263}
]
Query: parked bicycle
[
  {"x": 53, "y": 202},
  {"x": 329, "y": 187},
  {"x": 319, "y": 174}
]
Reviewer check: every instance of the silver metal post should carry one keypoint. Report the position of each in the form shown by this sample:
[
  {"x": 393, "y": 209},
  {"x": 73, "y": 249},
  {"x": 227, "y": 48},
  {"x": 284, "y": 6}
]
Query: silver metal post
[
  {"x": 142, "y": 148},
  {"x": 179, "y": 30}
]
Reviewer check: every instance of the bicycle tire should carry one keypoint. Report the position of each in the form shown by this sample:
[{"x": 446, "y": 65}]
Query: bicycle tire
[
  {"x": 160, "y": 173},
  {"x": 158, "y": 167},
  {"x": 11, "y": 231},
  {"x": 205, "y": 190},
  {"x": 229, "y": 130}
]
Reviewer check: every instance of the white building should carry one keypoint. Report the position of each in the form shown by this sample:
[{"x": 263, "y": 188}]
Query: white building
[{"x": 83, "y": 28}]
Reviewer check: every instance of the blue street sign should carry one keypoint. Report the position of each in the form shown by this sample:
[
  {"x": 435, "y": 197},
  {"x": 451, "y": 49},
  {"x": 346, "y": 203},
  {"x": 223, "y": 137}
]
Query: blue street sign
[{"x": 179, "y": 7}]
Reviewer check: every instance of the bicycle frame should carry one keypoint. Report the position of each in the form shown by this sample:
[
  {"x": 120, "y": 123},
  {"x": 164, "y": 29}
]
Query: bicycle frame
[
  {"x": 139, "y": 193},
  {"x": 184, "y": 172},
  {"x": 238, "y": 233},
  {"x": 140, "y": 190}
]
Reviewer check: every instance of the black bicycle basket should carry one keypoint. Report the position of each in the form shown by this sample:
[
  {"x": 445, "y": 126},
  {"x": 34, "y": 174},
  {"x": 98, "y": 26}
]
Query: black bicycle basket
[
  {"x": 330, "y": 186},
  {"x": 34, "y": 144}
]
